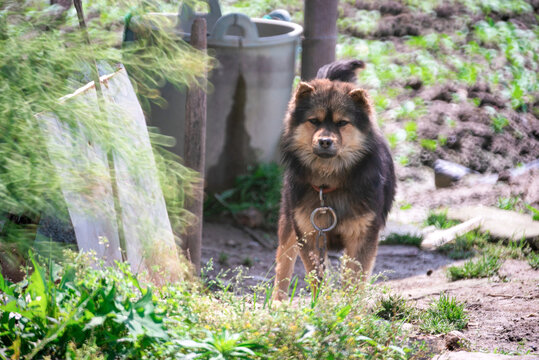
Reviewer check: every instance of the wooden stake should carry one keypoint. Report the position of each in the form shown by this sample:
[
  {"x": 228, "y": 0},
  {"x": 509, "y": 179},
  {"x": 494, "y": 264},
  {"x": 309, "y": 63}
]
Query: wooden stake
[
  {"x": 320, "y": 40},
  {"x": 195, "y": 149}
]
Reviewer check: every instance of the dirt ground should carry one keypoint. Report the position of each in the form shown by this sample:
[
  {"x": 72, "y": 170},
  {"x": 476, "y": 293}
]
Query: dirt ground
[{"x": 504, "y": 312}]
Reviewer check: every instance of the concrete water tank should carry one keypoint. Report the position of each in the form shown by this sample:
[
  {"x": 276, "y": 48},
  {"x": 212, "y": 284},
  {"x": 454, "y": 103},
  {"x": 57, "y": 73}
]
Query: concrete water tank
[{"x": 251, "y": 87}]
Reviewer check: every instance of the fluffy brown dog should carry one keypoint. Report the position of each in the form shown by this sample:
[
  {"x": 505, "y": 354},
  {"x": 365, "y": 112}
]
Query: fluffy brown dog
[{"x": 331, "y": 141}]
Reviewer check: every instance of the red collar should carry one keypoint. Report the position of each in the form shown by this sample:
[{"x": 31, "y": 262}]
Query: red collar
[{"x": 325, "y": 189}]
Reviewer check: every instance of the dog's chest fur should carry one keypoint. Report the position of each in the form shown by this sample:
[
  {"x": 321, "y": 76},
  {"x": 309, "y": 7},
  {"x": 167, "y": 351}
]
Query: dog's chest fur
[{"x": 353, "y": 218}]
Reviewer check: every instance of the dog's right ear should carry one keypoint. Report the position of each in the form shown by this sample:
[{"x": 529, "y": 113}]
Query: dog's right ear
[{"x": 303, "y": 90}]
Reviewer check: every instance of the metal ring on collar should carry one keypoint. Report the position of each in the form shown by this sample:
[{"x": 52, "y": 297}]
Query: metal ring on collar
[{"x": 331, "y": 211}]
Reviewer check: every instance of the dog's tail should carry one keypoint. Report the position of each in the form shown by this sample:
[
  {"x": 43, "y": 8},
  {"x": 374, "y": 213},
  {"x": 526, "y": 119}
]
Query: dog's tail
[{"x": 341, "y": 70}]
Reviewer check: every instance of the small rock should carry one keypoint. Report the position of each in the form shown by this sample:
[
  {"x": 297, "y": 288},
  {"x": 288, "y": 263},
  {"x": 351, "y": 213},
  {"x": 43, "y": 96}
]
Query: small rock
[
  {"x": 514, "y": 227},
  {"x": 446, "y": 173},
  {"x": 455, "y": 340}
]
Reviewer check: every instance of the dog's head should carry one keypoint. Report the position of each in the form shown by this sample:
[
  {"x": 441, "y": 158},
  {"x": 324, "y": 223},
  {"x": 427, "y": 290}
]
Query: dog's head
[{"x": 329, "y": 125}]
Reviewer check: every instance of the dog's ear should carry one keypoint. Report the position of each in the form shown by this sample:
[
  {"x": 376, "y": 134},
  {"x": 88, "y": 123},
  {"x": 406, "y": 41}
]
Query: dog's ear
[
  {"x": 303, "y": 90},
  {"x": 361, "y": 98}
]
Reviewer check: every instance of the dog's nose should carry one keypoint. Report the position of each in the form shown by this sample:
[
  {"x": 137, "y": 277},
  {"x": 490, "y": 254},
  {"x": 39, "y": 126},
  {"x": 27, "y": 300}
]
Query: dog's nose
[{"x": 325, "y": 142}]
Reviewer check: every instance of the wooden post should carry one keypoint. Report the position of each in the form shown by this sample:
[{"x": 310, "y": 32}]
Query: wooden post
[
  {"x": 320, "y": 40},
  {"x": 195, "y": 149}
]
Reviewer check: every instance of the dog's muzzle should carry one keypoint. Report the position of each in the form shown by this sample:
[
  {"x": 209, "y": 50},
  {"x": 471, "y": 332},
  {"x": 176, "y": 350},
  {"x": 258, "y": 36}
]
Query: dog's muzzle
[{"x": 325, "y": 148}]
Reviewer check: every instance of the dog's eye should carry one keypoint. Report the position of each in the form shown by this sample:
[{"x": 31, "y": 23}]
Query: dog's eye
[
  {"x": 342, "y": 123},
  {"x": 313, "y": 121}
]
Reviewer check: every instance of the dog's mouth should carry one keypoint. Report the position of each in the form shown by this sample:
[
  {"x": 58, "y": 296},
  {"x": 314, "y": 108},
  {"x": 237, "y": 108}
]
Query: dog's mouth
[{"x": 325, "y": 153}]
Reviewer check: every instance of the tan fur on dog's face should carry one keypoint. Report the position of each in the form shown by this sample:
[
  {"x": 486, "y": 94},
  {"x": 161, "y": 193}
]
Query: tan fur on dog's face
[{"x": 335, "y": 113}]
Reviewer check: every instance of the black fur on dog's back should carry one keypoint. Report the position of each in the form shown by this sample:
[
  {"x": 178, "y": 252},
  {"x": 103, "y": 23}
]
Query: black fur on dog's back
[{"x": 342, "y": 70}]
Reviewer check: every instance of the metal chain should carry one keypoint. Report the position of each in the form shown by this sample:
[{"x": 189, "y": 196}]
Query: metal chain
[{"x": 321, "y": 237}]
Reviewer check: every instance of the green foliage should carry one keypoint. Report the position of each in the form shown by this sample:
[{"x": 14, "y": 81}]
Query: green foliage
[
  {"x": 440, "y": 220},
  {"x": 80, "y": 311},
  {"x": 44, "y": 57},
  {"x": 533, "y": 260},
  {"x": 402, "y": 239},
  {"x": 57, "y": 311},
  {"x": 485, "y": 266},
  {"x": 499, "y": 122},
  {"x": 534, "y": 211},
  {"x": 428, "y": 144},
  {"x": 507, "y": 203},
  {"x": 260, "y": 188},
  {"x": 222, "y": 345},
  {"x": 394, "y": 307},
  {"x": 444, "y": 315},
  {"x": 411, "y": 130},
  {"x": 465, "y": 246}
]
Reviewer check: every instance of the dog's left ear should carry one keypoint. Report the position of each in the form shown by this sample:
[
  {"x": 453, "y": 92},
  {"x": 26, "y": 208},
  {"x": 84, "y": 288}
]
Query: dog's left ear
[
  {"x": 304, "y": 89},
  {"x": 361, "y": 98}
]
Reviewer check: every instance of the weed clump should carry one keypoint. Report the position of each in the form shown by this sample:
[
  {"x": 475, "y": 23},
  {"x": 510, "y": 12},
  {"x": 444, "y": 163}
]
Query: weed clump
[
  {"x": 440, "y": 220},
  {"x": 485, "y": 266},
  {"x": 444, "y": 315}
]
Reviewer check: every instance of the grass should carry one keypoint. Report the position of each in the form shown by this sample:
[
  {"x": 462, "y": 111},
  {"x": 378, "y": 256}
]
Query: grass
[
  {"x": 507, "y": 203},
  {"x": 439, "y": 220},
  {"x": 465, "y": 246},
  {"x": 394, "y": 307},
  {"x": 444, "y": 315},
  {"x": 533, "y": 260},
  {"x": 402, "y": 239},
  {"x": 485, "y": 266},
  {"x": 109, "y": 312}
]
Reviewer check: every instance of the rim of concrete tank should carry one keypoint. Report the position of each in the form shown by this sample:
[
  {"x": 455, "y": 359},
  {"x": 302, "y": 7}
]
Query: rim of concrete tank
[{"x": 293, "y": 34}]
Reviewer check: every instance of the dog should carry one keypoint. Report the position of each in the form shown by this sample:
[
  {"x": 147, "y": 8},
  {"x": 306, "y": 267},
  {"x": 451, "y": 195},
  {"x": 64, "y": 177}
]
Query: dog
[{"x": 331, "y": 141}]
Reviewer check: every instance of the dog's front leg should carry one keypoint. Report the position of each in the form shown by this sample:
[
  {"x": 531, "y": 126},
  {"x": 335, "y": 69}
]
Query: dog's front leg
[
  {"x": 287, "y": 253},
  {"x": 361, "y": 246}
]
